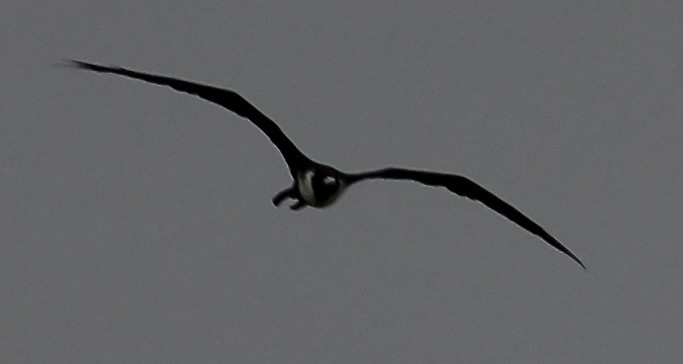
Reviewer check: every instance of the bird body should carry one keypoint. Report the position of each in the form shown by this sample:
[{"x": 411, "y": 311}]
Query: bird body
[
  {"x": 319, "y": 185},
  {"x": 319, "y": 189}
]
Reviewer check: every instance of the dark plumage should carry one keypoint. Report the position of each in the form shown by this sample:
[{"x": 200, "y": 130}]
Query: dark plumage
[{"x": 319, "y": 185}]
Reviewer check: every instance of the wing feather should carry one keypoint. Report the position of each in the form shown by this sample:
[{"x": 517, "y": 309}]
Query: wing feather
[
  {"x": 465, "y": 187},
  {"x": 226, "y": 98}
]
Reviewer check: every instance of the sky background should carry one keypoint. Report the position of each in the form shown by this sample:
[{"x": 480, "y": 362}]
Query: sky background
[{"x": 136, "y": 223}]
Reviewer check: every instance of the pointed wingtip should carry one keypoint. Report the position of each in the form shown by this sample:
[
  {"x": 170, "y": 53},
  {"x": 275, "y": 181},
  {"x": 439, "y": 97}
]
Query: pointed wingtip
[
  {"x": 67, "y": 63},
  {"x": 557, "y": 245},
  {"x": 571, "y": 255},
  {"x": 582, "y": 265},
  {"x": 74, "y": 63}
]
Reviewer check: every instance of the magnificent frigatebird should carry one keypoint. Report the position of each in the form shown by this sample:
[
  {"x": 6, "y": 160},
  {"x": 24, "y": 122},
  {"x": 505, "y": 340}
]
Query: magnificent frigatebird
[{"x": 319, "y": 185}]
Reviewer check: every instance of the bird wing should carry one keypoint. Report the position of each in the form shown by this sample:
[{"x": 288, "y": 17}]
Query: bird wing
[
  {"x": 226, "y": 98},
  {"x": 465, "y": 187}
]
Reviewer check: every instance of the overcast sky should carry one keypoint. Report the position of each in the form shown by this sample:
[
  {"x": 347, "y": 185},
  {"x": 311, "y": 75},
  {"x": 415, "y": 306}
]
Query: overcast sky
[{"x": 136, "y": 223}]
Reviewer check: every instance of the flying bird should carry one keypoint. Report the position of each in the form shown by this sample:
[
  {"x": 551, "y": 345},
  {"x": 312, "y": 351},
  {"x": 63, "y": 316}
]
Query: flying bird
[{"x": 319, "y": 185}]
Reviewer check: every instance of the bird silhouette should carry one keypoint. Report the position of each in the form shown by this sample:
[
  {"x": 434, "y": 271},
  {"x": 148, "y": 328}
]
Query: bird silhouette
[{"x": 319, "y": 185}]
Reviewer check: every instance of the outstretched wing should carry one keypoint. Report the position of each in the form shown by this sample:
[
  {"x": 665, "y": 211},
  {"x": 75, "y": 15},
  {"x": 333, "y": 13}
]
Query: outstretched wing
[
  {"x": 466, "y": 188},
  {"x": 226, "y": 98}
]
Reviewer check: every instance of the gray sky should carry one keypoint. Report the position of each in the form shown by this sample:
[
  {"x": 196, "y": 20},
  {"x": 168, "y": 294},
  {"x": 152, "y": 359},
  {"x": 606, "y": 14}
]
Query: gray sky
[{"x": 136, "y": 222}]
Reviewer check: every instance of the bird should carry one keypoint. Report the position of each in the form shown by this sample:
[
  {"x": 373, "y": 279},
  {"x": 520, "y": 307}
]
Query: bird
[{"x": 319, "y": 185}]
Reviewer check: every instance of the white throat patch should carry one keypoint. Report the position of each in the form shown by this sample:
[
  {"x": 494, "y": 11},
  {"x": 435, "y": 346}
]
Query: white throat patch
[{"x": 306, "y": 187}]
